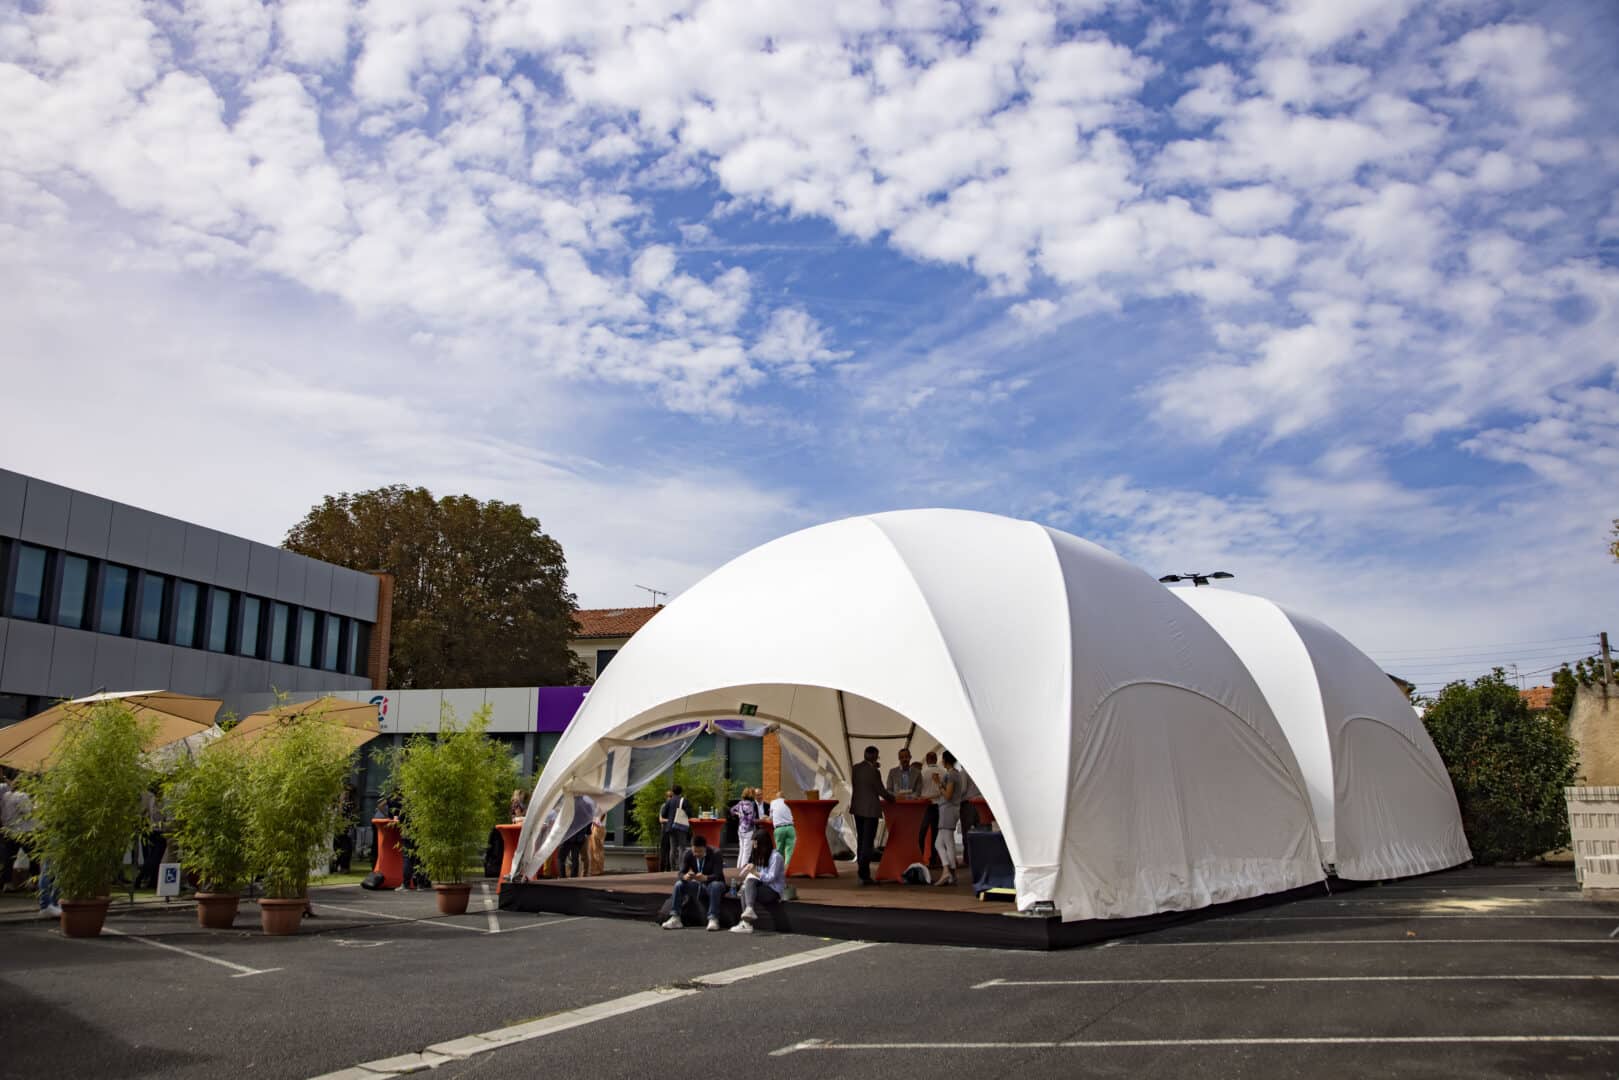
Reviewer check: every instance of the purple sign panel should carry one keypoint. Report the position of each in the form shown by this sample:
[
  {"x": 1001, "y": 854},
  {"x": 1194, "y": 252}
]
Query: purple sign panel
[{"x": 557, "y": 704}]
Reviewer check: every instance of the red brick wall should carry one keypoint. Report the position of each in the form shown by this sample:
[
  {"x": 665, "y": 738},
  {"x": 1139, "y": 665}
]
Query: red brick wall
[
  {"x": 771, "y": 777},
  {"x": 376, "y": 661}
]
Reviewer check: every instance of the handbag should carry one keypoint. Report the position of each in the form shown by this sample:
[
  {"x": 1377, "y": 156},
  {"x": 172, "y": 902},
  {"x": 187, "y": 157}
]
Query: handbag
[{"x": 682, "y": 819}]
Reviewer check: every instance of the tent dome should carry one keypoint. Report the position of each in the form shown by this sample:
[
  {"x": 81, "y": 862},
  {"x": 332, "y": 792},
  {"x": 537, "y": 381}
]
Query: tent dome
[
  {"x": 1383, "y": 801},
  {"x": 1130, "y": 758}
]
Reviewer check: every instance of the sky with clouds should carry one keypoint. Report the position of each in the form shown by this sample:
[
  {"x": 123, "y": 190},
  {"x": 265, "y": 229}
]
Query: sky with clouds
[{"x": 1321, "y": 292}]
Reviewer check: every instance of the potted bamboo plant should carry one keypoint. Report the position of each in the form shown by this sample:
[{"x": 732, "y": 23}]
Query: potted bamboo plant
[
  {"x": 453, "y": 788},
  {"x": 207, "y": 801},
  {"x": 294, "y": 789},
  {"x": 87, "y": 809}
]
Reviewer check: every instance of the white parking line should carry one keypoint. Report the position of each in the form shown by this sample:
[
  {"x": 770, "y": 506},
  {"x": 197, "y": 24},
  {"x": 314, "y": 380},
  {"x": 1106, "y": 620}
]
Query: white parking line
[
  {"x": 242, "y": 970},
  {"x": 1357, "y": 942},
  {"x": 454, "y": 1050},
  {"x": 542, "y": 924},
  {"x": 432, "y": 921},
  {"x": 1102, "y": 1044},
  {"x": 489, "y": 910},
  {"x": 993, "y": 984},
  {"x": 1393, "y": 917}
]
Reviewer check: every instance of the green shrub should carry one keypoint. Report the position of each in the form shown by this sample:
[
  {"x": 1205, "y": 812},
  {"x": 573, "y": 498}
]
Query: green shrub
[
  {"x": 702, "y": 781},
  {"x": 1508, "y": 765},
  {"x": 207, "y": 802},
  {"x": 455, "y": 788},
  {"x": 87, "y": 803},
  {"x": 295, "y": 780}
]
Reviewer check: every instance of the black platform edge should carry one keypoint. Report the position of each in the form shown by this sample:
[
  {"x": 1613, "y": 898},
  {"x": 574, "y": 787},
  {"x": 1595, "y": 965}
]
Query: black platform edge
[{"x": 907, "y": 926}]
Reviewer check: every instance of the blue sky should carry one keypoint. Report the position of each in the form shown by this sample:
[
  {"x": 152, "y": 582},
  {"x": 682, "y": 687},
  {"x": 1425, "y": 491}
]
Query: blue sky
[{"x": 1323, "y": 292}]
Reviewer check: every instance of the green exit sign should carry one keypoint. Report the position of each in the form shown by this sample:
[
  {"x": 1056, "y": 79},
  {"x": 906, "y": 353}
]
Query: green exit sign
[{"x": 748, "y": 710}]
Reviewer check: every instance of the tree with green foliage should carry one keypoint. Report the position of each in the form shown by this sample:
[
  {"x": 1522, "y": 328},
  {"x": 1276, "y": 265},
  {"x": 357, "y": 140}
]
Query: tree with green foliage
[
  {"x": 455, "y": 789},
  {"x": 1508, "y": 765},
  {"x": 87, "y": 802},
  {"x": 480, "y": 591},
  {"x": 207, "y": 802},
  {"x": 295, "y": 781}
]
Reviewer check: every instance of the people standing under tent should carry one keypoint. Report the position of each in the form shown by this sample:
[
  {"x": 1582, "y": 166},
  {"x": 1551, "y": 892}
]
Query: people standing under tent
[
  {"x": 154, "y": 843},
  {"x": 969, "y": 811},
  {"x": 932, "y": 780},
  {"x": 676, "y": 813},
  {"x": 11, "y": 801},
  {"x": 596, "y": 850},
  {"x": 781, "y": 820},
  {"x": 664, "y": 862},
  {"x": 519, "y": 806},
  {"x": 951, "y": 789},
  {"x": 866, "y": 804},
  {"x": 572, "y": 851},
  {"x": 700, "y": 873},
  {"x": 906, "y": 777},
  {"x": 746, "y": 812},
  {"x": 764, "y": 881}
]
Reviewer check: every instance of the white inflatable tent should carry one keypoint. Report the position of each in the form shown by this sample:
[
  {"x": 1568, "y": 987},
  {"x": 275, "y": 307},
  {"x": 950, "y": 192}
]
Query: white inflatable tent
[
  {"x": 1383, "y": 802},
  {"x": 1132, "y": 762}
]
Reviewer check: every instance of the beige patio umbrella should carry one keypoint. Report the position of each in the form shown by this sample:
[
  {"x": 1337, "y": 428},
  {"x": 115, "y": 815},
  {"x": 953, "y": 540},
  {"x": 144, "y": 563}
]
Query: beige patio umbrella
[
  {"x": 29, "y": 745},
  {"x": 357, "y": 720}
]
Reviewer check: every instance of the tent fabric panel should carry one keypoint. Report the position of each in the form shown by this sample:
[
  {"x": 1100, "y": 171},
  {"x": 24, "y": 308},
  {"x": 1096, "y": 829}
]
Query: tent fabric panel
[
  {"x": 1268, "y": 645},
  {"x": 1006, "y": 632},
  {"x": 1399, "y": 799},
  {"x": 1178, "y": 803},
  {"x": 1397, "y": 818},
  {"x": 844, "y": 613}
]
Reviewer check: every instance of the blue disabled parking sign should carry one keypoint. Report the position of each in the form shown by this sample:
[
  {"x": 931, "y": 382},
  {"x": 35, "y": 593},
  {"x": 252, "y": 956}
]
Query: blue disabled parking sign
[{"x": 168, "y": 879}]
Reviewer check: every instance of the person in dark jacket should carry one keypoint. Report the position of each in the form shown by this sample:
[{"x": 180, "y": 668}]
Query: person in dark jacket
[
  {"x": 701, "y": 873},
  {"x": 866, "y": 803}
]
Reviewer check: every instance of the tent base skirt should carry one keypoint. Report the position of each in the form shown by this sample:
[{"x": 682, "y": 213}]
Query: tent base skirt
[{"x": 838, "y": 908}]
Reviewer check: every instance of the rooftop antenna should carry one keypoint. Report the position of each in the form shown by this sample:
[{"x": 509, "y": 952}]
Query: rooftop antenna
[
  {"x": 655, "y": 593},
  {"x": 1196, "y": 579}
]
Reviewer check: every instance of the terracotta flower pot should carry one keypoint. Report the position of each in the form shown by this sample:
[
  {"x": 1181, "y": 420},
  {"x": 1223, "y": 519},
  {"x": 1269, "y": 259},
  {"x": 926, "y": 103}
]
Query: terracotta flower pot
[
  {"x": 651, "y": 863},
  {"x": 452, "y": 899},
  {"x": 83, "y": 918},
  {"x": 281, "y": 916},
  {"x": 217, "y": 911}
]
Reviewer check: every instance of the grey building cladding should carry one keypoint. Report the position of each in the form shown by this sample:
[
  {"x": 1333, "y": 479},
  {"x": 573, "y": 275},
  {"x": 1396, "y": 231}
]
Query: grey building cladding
[{"x": 98, "y": 595}]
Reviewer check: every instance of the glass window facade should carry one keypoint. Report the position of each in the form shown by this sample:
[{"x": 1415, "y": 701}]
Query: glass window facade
[
  {"x": 331, "y": 638},
  {"x": 306, "y": 638},
  {"x": 187, "y": 602},
  {"x": 280, "y": 632},
  {"x": 28, "y": 590},
  {"x": 149, "y": 619},
  {"x": 248, "y": 642},
  {"x": 359, "y": 647},
  {"x": 218, "y": 620},
  {"x": 75, "y": 591},
  {"x": 114, "y": 599}
]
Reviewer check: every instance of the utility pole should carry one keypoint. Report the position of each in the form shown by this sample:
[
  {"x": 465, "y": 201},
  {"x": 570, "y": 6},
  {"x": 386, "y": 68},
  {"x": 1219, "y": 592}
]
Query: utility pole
[{"x": 1607, "y": 665}]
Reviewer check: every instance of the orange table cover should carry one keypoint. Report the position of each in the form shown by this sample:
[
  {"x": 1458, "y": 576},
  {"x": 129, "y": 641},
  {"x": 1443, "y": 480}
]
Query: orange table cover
[
  {"x": 389, "y": 862},
  {"x": 904, "y": 817},
  {"x": 712, "y": 830},
  {"x": 508, "y": 840},
  {"x": 986, "y": 816},
  {"x": 811, "y": 856}
]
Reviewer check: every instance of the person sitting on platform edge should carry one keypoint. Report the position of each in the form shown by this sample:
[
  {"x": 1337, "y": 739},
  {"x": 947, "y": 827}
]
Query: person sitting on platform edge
[
  {"x": 865, "y": 803},
  {"x": 701, "y": 873},
  {"x": 761, "y": 884}
]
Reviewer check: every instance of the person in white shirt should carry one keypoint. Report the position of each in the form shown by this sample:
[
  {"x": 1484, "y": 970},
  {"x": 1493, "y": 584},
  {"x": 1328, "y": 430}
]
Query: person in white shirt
[
  {"x": 781, "y": 821},
  {"x": 932, "y": 784},
  {"x": 951, "y": 791}
]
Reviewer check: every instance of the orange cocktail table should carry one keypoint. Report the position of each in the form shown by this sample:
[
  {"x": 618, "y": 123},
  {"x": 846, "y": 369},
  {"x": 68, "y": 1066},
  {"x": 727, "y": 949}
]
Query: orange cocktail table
[
  {"x": 508, "y": 840},
  {"x": 811, "y": 857},
  {"x": 711, "y": 829},
  {"x": 389, "y": 862},
  {"x": 904, "y": 817}
]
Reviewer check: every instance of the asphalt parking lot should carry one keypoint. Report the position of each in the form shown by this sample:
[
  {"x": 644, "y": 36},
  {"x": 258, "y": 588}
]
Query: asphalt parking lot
[{"x": 1473, "y": 972}]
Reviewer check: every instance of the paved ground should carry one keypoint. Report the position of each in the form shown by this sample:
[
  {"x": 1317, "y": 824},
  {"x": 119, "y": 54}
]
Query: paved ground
[{"x": 1472, "y": 972}]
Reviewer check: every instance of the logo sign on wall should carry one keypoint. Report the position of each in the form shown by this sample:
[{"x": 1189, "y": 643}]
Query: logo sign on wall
[{"x": 381, "y": 702}]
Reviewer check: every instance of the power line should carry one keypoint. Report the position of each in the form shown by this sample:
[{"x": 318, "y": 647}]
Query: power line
[{"x": 1481, "y": 649}]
